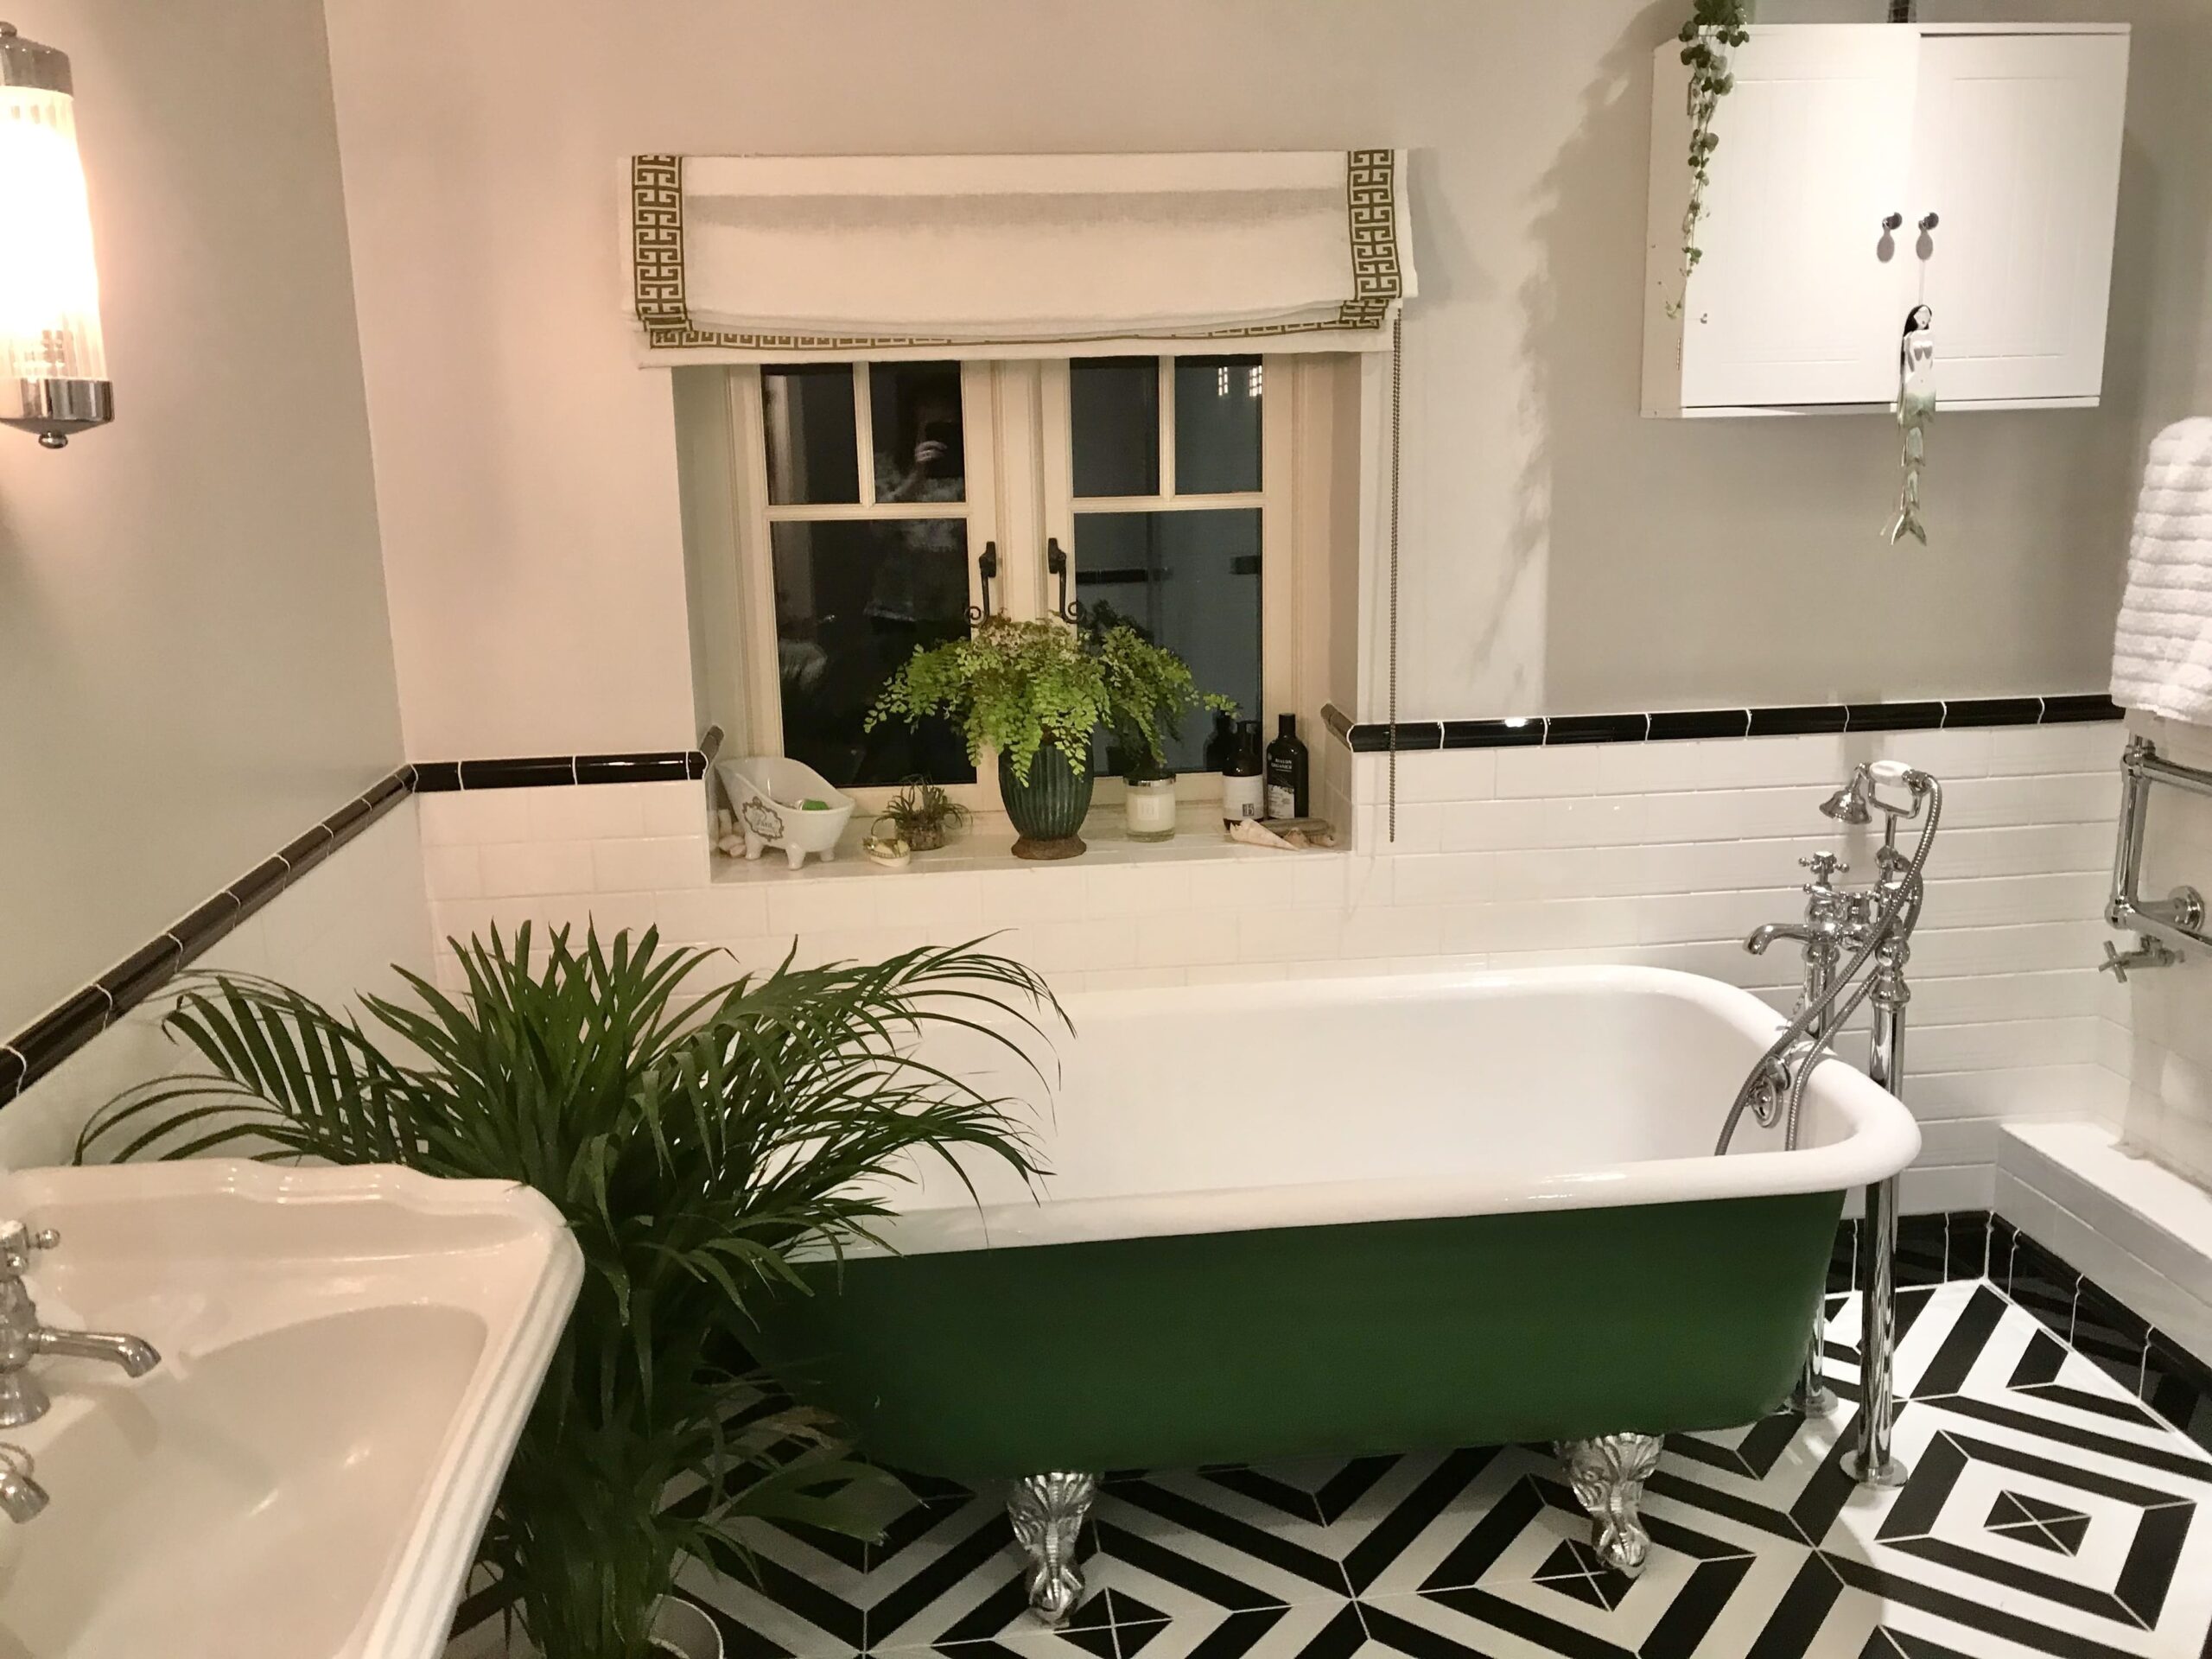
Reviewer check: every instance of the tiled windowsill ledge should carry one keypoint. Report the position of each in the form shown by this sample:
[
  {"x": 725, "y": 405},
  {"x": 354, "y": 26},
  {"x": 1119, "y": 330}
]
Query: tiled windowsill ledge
[{"x": 987, "y": 844}]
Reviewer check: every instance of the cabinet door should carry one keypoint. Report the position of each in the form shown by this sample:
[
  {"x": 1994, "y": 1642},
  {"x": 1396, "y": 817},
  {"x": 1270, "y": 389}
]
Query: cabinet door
[
  {"x": 1799, "y": 294},
  {"x": 2017, "y": 154}
]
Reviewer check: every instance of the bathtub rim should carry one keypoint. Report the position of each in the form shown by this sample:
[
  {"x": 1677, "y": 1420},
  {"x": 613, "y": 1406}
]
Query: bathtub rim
[{"x": 1883, "y": 1139}]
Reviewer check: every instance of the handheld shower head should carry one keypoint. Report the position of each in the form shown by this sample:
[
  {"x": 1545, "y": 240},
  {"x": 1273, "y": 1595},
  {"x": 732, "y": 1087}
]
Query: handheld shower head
[
  {"x": 1853, "y": 803},
  {"x": 1857, "y": 802}
]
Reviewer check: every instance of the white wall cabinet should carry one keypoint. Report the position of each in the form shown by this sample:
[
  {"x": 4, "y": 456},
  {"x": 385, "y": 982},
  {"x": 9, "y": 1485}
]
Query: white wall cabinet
[{"x": 1864, "y": 169}]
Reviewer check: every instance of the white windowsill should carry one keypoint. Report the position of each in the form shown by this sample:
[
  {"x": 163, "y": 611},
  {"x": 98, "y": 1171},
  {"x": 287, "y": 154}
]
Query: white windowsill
[{"x": 988, "y": 844}]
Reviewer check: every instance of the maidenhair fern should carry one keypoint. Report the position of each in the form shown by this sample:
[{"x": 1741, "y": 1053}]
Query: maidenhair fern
[{"x": 1023, "y": 687}]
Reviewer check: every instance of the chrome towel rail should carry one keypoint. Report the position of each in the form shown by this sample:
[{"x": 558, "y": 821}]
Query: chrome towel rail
[{"x": 2160, "y": 925}]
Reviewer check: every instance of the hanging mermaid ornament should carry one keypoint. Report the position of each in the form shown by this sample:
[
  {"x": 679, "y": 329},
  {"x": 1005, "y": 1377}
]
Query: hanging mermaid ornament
[{"x": 1915, "y": 408}]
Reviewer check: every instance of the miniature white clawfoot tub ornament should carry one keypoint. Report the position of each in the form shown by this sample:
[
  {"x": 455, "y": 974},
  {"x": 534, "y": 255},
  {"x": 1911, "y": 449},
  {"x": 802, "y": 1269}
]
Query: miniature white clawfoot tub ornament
[{"x": 784, "y": 802}]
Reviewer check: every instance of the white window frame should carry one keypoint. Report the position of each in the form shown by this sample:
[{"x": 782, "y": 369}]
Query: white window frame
[
  {"x": 1019, "y": 495},
  {"x": 1278, "y": 612}
]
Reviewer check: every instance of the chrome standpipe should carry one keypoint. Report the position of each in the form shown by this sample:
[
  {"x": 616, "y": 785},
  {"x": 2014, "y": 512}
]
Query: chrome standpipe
[
  {"x": 1827, "y": 916},
  {"x": 1812, "y": 1397},
  {"x": 1048, "y": 1512},
  {"x": 1874, "y": 926},
  {"x": 1870, "y": 1462}
]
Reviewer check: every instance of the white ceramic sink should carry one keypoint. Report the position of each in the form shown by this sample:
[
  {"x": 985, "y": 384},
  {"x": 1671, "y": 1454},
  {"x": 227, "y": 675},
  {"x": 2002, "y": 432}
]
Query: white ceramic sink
[{"x": 347, "y": 1356}]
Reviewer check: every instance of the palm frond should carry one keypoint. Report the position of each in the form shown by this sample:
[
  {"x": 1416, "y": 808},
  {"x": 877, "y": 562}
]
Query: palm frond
[{"x": 696, "y": 1132}]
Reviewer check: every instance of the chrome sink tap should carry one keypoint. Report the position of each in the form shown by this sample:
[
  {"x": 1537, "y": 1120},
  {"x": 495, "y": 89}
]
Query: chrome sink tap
[
  {"x": 23, "y": 1338},
  {"x": 20, "y": 1497}
]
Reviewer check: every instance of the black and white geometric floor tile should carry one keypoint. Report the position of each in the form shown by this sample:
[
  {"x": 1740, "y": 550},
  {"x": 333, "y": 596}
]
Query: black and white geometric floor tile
[{"x": 2048, "y": 1514}]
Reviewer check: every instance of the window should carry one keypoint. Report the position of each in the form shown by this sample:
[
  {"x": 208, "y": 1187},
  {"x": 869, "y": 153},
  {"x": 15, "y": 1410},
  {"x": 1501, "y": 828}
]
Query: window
[
  {"x": 1162, "y": 495},
  {"x": 881, "y": 508},
  {"x": 870, "y": 550}
]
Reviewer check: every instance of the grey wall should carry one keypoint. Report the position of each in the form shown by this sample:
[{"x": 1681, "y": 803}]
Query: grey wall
[
  {"x": 1574, "y": 556},
  {"x": 195, "y": 658},
  {"x": 1562, "y": 553}
]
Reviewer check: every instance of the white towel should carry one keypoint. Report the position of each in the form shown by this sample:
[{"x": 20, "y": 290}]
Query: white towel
[{"x": 2162, "y": 650}]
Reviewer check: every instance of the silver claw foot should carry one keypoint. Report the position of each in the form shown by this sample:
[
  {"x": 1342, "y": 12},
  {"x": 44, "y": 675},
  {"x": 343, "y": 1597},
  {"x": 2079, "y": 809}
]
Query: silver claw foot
[
  {"x": 1048, "y": 1512},
  {"x": 1607, "y": 1474}
]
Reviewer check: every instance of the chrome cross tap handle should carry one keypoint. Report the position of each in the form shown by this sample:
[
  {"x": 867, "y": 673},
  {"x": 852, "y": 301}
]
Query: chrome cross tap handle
[
  {"x": 1825, "y": 866},
  {"x": 16, "y": 1243},
  {"x": 2147, "y": 953},
  {"x": 23, "y": 1399}
]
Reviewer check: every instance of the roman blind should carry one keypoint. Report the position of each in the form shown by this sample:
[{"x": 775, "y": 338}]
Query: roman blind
[{"x": 747, "y": 260}]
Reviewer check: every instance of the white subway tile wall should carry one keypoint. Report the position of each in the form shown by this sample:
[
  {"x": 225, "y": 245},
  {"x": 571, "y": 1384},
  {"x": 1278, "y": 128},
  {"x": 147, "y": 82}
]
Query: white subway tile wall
[
  {"x": 2138, "y": 1230},
  {"x": 1662, "y": 854}
]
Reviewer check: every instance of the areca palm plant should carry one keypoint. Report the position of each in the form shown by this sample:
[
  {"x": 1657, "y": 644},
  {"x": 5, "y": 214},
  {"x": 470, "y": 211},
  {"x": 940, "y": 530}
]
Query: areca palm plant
[{"x": 695, "y": 1136}]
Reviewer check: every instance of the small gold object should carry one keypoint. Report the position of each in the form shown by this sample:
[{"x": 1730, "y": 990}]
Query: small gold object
[{"x": 888, "y": 851}]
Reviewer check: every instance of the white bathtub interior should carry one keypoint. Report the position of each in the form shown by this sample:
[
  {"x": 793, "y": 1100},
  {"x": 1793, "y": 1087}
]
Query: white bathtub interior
[{"x": 1269, "y": 1105}]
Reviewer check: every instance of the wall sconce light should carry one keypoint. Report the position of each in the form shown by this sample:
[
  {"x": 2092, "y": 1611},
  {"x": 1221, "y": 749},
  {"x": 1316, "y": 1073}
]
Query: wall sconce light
[{"x": 52, "y": 361}]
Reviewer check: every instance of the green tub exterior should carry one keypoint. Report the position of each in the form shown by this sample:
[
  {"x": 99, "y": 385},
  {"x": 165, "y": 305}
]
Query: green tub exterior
[{"x": 1340, "y": 1340}]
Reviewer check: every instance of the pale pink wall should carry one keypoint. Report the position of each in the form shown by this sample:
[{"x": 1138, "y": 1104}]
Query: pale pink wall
[
  {"x": 195, "y": 663},
  {"x": 1561, "y": 554}
]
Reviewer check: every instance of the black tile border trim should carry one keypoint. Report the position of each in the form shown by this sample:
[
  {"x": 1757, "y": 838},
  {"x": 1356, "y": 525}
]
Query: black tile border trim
[
  {"x": 1492, "y": 733},
  {"x": 1664, "y": 725},
  {"x": 537, "y": 772},
  {"x": 47, "y": 1042},
  {"x": 1596, "y": 729},
  {"x": 1413, "y": 735},
  {"x": 34, "y": 1052},
  {"x": 2148, "y": 1363}
]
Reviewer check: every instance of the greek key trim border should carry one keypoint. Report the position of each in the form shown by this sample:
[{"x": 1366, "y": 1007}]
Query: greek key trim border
[
  {"x": 656, "y": 243},
  {"x": 658, "y": 286},
  {"x": 1372, "y": 207}
]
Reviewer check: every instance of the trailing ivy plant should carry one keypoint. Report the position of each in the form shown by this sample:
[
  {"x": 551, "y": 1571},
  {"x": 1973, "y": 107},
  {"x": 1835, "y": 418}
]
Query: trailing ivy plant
[
  {"x": 1022, "y": 687},
  {"x": 1715, "y": 29}
]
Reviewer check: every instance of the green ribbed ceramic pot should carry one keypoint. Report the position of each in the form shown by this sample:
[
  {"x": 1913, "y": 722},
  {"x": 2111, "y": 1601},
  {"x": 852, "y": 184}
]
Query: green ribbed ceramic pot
[{"x": 1047, "y": 811}]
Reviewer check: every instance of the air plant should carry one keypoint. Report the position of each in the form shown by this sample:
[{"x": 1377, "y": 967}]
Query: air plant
[{"x": 923, "y": 815}]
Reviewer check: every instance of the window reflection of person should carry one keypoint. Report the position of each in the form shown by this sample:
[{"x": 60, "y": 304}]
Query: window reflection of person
[{"x": 920, "y": 596}]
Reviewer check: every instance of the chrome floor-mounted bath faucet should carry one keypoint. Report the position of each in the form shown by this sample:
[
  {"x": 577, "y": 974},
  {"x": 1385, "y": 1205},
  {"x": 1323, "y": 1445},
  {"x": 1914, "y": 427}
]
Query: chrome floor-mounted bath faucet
[{"x": 1856, "y": 944}]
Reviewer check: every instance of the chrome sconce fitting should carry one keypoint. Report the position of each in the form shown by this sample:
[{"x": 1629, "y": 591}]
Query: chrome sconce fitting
[{"x": 53, "y": 357}]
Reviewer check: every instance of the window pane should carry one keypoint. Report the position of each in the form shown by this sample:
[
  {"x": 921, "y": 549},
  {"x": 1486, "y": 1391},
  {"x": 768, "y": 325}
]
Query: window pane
[
  {"x": 854, "y": 601},
  {"x": 1187, "y": 581},
  {"x": 810, "y": 435},
  {"x": 1113, "y": 406},
  {"x": 1216, "y": 424},
  {"x": 921, "y": 452}
]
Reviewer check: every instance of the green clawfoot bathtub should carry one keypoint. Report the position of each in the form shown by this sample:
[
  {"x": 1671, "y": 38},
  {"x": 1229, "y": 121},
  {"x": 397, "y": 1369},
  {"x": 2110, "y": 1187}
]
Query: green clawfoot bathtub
[{"x": 1341, "y": 1218}]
